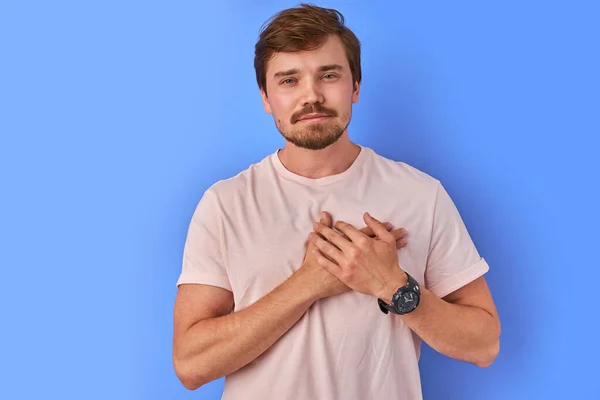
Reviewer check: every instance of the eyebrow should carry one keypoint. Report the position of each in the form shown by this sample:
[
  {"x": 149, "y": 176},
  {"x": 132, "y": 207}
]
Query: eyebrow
[{"x": 330, "y": 67}]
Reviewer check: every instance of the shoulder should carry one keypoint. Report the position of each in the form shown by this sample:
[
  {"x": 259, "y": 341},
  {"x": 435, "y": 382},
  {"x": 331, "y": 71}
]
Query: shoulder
[
  {"x": 241, "y": 184},
  {"x": 405, "y": 175}
]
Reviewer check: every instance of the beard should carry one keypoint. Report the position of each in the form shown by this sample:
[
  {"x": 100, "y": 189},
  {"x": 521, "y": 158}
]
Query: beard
[{"x": 314, "y": 136}]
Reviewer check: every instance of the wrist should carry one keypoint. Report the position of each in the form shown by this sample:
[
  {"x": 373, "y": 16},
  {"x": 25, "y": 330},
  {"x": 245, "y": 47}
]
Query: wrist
[
  {"x": 304, "y": 287},
  {"x": 392, "y": 284}
]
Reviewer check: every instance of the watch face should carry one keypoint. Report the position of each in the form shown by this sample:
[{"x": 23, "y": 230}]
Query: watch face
[{"x": 407, "y": 301}]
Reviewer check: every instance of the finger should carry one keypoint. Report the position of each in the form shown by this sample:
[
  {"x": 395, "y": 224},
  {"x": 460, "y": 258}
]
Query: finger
[
  {"x": 329, "y": 266},
  {"x": 401, "y": 243},
  {"x": 398, "y": 233},
  {"x": 369, "y": 232},
  {"x": 350, "y": 231},
  {"x": 400, "y": 237},
  {"x": 326, "y": 218},
  {"x": 378, "y": 228},
  {"x": 344, "y": 236},
  {"x": 315, "y": 250},
  {"x": 327, "y": 248},
  {"x": 334, "y": 237}
]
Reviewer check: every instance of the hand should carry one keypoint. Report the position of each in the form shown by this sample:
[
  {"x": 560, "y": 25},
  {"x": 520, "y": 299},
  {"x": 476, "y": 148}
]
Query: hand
[
  {"x": 366, "y": 264},
  {"x": 399, "y": 234},
  {"x": 323, "y": 283}
]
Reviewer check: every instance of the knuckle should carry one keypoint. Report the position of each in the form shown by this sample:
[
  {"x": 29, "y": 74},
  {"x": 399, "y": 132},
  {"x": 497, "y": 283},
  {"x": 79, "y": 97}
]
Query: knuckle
[
  {"x": 362, "y": 242},
  {"x": 350, "y": 265},
  {"x": 354, "y": 252}
]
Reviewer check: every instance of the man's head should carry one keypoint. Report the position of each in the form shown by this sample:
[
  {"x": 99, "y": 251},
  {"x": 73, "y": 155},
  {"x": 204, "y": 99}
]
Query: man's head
[{"x": 308, "y": 70}]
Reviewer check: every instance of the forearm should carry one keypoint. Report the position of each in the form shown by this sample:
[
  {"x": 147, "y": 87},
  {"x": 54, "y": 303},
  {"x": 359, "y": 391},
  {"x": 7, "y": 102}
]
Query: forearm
[
  {"x": 462, "y": 332},
  {"x": 216, "y": 347}
]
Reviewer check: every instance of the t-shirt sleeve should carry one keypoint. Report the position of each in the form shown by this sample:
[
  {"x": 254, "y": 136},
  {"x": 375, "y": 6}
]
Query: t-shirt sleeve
[
  {"x": 203, "y": 261},
  {"x": 453, "y": 260}
]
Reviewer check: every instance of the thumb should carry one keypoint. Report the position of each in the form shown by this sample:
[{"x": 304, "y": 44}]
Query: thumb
[{"x": 326, "y": 219}]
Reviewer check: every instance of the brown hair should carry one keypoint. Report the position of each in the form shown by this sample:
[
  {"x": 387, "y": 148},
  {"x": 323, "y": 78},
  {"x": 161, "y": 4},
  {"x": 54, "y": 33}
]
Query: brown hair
[{"x": 302, "y": 28}]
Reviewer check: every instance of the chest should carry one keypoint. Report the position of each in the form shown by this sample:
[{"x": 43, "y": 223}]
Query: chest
[{"x": 266, "y": 238}]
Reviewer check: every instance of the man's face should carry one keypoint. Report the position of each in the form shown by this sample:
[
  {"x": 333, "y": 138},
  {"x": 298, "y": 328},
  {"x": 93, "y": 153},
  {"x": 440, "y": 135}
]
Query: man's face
[{"x": 310, "y": 94}]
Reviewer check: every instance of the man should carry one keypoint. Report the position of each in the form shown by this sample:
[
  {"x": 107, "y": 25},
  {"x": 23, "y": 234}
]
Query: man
[{"x": 344, "y": 316}]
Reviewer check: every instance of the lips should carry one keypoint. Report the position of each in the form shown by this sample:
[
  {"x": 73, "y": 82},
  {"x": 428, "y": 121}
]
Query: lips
[
  {"x": 312, "y": 116},
  {"x": 313, "y": 112}
]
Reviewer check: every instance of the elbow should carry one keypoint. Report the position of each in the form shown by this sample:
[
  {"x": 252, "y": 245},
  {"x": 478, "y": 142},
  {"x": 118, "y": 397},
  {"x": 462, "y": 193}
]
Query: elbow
[
  {"x": 488, "y": 357},
  {"x": 190, "y": 378},
  {"x": 190, "y": 383}
]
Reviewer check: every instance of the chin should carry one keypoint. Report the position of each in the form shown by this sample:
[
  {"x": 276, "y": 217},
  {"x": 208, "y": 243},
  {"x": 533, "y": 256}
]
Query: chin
[
  {"x": 313, "y": 143},
  {"x": 315, "y": 138}
]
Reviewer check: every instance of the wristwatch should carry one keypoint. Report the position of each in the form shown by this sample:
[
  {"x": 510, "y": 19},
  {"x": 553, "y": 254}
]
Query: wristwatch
[{"x": 405, "y": 300}]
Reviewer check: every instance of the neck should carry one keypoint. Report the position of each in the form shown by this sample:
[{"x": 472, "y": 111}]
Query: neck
[{"x": 315, "y": 164}]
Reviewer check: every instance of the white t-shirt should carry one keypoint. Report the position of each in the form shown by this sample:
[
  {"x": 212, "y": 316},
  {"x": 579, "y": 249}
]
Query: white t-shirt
[{"x": 248, "y": 235}]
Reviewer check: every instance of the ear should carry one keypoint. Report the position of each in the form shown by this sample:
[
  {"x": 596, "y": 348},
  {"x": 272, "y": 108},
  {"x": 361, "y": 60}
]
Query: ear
[
  {"x": 265, "y": 101},
  {"x": 355, "y": 92}
]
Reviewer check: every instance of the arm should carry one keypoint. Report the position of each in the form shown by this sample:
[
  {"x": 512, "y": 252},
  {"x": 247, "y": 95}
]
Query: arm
[
  {"x": 209, "y": 342},
  {"x": 463, "y": 325}
]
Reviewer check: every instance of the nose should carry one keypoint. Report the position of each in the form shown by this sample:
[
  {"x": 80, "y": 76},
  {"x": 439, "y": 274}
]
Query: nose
[{"x": 311, "y": 93}]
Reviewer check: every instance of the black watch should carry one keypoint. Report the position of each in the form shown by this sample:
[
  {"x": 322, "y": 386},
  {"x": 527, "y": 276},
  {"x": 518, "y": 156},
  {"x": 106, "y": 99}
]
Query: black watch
[{"x": 405, "y": 300}]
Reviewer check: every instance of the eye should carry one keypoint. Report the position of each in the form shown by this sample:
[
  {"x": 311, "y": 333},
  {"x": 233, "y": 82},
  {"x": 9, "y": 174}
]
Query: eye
[
  {"x": 287, "y": 81},
  {"x": 329, "y": 77}
]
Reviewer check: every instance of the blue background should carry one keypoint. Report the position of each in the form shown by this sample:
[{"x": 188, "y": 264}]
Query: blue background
[{"x": 115, "y": 116}]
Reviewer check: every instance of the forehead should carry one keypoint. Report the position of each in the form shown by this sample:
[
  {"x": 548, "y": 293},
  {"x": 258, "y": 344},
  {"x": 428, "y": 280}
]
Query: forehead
[{"x": 331, "y": 52}]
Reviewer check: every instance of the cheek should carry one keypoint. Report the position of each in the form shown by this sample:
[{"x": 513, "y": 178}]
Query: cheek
[
  {"x": 341, "y": 97},
  {"x": 283, "y": 110}
]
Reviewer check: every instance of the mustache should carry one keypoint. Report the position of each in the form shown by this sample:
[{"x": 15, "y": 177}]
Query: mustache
[{"x": 313, "y": 109}]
